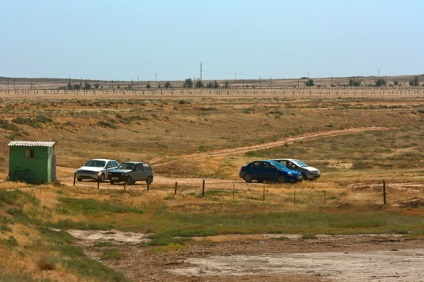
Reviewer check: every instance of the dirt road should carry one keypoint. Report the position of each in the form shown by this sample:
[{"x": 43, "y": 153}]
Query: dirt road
[{"x": 240, "y": 150}]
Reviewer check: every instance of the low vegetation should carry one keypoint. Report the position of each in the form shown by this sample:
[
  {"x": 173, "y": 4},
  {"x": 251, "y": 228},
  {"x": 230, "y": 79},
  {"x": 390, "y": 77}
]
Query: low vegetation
[{"x": 177, "y": 133}]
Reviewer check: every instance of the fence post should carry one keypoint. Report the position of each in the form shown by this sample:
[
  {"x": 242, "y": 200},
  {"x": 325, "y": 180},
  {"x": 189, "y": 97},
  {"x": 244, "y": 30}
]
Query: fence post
[
  {"x": 148, "y": 187},
  {"x": 98, "y": 179},
  {"x": 384, "y": 192},
  {"x": 233, "y": 190},
  {"x": 175, "y": 188},
  {"x": 75, "y": 176},
  {"x": 203, "y": 188}
]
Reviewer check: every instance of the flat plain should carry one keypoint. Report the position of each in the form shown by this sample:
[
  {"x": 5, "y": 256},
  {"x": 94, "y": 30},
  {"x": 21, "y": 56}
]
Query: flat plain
[{"x": 363, "y": 139}]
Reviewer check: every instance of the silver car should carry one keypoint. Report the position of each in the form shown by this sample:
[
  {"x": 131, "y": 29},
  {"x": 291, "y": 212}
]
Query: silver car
[
  {"x": 93, "y": 168},
  {"x": 308, "y": 172}
]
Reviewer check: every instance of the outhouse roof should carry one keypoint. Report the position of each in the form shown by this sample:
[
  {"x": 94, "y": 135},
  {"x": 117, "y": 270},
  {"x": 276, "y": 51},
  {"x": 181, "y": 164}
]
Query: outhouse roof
[{"x": 31, "y": 144}]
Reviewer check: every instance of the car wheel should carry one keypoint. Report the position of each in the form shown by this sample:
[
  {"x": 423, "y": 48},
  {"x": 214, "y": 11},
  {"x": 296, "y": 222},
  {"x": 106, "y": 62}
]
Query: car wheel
[
  {"x": 149, "y": 180},
  {"x": 129, "y": 180},
  {"x": 79, "y": 179},
  {"x": 281, "y": 179},
  {"x": 248, "y": 177},
  {"x": 304, "y": 176},
  {"x": 112, "y": 182},
  {"x": 260, "y": 181}
]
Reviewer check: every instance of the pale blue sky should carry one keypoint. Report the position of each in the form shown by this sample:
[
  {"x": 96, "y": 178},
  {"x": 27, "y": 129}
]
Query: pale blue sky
[{"x": 168, "y": 39}]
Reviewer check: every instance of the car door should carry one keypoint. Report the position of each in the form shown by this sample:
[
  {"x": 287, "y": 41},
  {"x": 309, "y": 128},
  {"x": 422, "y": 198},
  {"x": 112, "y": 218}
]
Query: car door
[
  {"x": 269, "y": 171},
  {"x": 138, "y": 173},
  {"x": 109, "y": 166},
  {"x": 256, "y": 170}
]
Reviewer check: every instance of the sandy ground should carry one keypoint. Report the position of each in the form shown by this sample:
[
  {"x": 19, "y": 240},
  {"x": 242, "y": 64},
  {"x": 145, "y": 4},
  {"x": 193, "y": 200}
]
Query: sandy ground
[{"x": 264, "y": 257}]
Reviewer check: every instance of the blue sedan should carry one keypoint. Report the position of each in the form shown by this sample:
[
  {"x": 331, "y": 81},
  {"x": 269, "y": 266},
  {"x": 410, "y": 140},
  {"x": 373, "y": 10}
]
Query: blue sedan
[{"x": 267, "y": 170}]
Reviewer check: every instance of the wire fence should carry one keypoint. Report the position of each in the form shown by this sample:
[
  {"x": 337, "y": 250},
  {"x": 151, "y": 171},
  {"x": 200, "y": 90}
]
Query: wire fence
[
  {"x": 238, "y": 190},
  {"x": 286, "y": 91}
]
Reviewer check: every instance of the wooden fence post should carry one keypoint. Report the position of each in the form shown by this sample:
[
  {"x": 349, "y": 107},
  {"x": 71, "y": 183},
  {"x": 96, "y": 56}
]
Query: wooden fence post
[
  {"x": 175, "y": 188},
  {"x": 233, "y": 190},
  {"x": 98, "y": 179},
  {"x": 75, "y": 176},
  {"x": 203, "y": 188},
  {"x": 384, "y": 192}
]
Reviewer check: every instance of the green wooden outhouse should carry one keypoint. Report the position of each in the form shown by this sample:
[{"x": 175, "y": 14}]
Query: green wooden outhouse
[{"x": 32, "y": 161}]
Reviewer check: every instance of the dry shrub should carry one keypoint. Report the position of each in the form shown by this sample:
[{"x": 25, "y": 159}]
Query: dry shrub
[{"x": 413, "y": 203}]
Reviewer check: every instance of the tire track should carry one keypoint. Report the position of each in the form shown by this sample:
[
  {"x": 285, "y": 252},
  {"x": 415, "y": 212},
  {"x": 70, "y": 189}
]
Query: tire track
[{"x": 278, "y": 143}]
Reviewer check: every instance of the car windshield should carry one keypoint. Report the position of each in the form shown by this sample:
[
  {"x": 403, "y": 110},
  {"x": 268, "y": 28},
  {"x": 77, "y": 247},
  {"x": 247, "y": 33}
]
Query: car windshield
[
  {"x": 126, "y": 166},
  {"x": 279, "y": 166},
  {"x": 299, "y": 163},
  {"x": 95, "y": 163}
]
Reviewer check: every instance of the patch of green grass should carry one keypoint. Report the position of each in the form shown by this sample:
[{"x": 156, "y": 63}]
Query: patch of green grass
[
  {"x": 348, "y": 222},
  {"x": 92, "y": 207},
  {"x": 18, "y": 198},
  {"x": 111, "y": 253}
]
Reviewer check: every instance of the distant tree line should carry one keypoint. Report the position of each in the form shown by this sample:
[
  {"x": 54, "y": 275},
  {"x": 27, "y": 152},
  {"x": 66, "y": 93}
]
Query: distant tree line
[{"x": 189, "y": 83}]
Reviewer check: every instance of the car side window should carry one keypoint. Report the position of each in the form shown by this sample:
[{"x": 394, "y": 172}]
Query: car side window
[
  {"x": 255, "y": 165},
  {"x": 268, "y": 166},
  {"x": 146, "y": 167},
  {"x": 138, "y": 167}
]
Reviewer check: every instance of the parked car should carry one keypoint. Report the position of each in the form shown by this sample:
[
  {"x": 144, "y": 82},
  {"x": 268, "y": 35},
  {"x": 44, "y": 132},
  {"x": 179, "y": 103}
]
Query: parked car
[
  {"x": 91, "y": 169},
  {"x": 130, "y": 172},
  {"x": 308, "y": 172},
  {"x": 268, "y": 170}
]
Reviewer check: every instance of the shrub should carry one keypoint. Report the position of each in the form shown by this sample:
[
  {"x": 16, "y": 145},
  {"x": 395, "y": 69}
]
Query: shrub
[
  {"x": 43, "y": 119},
  {"x": 8, "y": 126},
  {"x": 27, "y": 121}
]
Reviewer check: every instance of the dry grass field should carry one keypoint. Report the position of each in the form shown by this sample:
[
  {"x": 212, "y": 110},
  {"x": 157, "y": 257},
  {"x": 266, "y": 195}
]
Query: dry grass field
[{"x": 357, "y": 137}]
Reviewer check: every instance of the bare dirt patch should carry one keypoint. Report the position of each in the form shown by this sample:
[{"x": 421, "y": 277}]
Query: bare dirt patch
[{"x": 267, "y": 257}]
